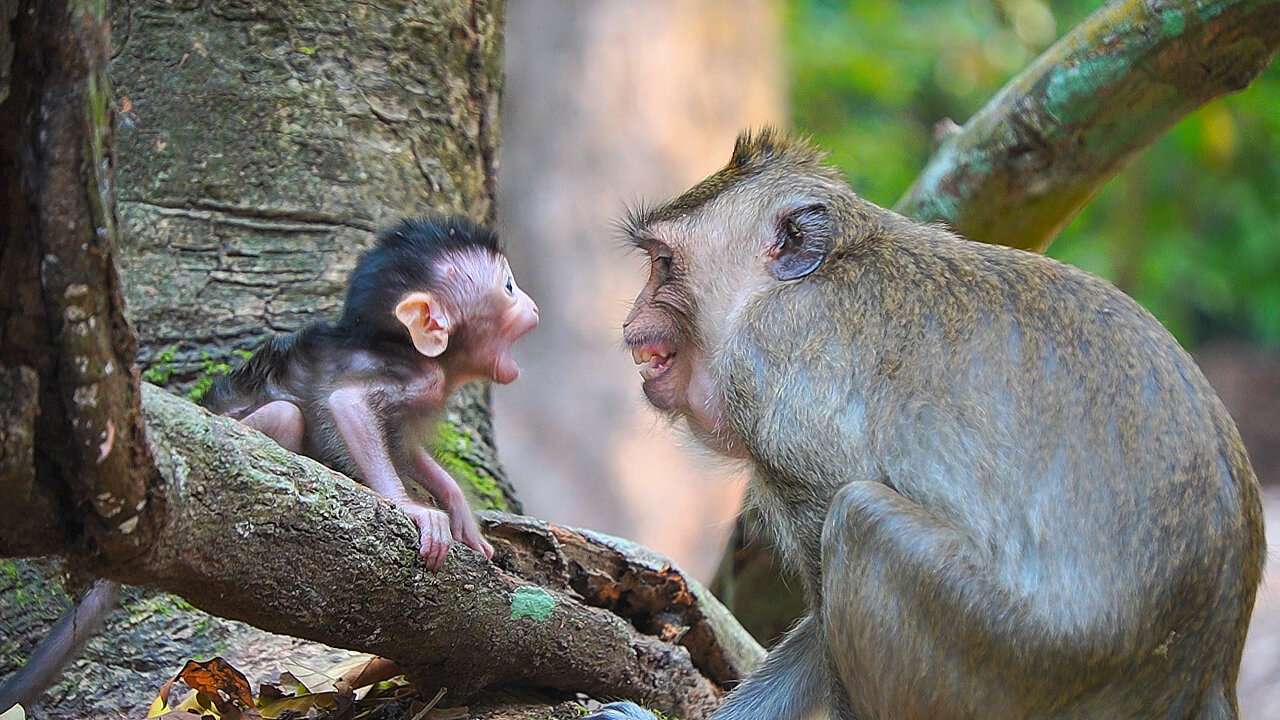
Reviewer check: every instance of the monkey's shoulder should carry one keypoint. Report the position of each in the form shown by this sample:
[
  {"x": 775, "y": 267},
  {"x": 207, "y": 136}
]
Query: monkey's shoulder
[{"x": 977, "y": 281}]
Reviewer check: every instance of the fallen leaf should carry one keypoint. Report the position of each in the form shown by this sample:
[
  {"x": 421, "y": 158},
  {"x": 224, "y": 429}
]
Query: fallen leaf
[
  {"x": 374, "y": 670},
  {"x": 160, "y": 705},
  {"x": 273, "y": 709},
  {"x": 216, "y": 678}
]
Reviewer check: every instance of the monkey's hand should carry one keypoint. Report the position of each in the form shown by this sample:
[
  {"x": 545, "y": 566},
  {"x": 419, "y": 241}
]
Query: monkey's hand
[
  {"x": 441, "y": 484},
  {"x": 466, "y": 529},
  {"x": 433, "y": 533},
  {"x": 622, "y": 711}
]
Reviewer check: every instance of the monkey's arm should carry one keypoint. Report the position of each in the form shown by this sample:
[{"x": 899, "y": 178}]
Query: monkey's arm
[
  {"x": 892, "y": 569},
  {"x": 358, "y": 425},
  {"x": 445, "y": 489},
  {"x": 794, "y": 681}
]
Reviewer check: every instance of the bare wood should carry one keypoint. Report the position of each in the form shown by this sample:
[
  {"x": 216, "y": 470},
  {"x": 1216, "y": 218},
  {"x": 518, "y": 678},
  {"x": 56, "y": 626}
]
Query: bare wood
[{"x": 1024, "y": 165}]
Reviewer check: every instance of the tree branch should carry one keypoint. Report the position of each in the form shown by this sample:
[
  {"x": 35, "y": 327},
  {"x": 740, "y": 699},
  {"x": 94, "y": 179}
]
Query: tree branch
[
  {"x": 1026, "y": 163},
  {"x": 255, "y": 533}
]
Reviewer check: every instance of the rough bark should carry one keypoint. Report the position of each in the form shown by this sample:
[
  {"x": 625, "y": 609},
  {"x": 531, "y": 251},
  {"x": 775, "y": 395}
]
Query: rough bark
[
  {"x": 25, "y": 505},
  {"x": 256, "y": 534},
  {"x": 1026, "y": 163},
  {"x": 61, "y": 306}
]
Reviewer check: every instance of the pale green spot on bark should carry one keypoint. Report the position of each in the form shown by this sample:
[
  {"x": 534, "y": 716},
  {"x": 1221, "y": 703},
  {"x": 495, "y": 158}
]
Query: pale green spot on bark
[
  {"x": 532, "y": 602},
  {"x": 1172, "y": 24},
  {"x": 1070, "y": 95},
  {"x": 1210, "y": 9}
]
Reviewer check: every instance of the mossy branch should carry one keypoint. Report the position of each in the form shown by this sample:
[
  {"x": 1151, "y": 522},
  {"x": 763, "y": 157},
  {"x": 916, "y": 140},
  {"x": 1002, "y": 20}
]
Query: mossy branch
[
  {"x": 258, "y": 534},
  {"x": 1026, "y": 163}
]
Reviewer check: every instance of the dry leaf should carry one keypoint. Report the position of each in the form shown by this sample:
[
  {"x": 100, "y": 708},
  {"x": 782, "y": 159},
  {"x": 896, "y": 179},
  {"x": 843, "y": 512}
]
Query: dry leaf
[
  {"x": 216, "y": 678},
  {"x": 374, "y": 670}
]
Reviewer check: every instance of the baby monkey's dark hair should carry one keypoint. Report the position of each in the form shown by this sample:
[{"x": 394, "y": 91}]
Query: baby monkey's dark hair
[{"x": 406, "y": 259}]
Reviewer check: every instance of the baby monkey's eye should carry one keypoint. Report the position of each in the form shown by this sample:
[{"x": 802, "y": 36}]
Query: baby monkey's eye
[{"x": 511, "y": 285}]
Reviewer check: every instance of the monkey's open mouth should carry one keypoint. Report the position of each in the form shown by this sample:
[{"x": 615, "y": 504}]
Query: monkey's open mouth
[{"x": 655, "y": 359}]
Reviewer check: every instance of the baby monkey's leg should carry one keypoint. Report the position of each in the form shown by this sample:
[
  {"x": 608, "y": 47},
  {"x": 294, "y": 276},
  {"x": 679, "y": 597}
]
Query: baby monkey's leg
[{"x": 281, "y": 421}]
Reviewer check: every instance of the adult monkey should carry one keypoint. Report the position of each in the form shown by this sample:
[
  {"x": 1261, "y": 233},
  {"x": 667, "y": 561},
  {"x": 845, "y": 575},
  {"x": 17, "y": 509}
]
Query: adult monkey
[{"x": 1009, "y": 491}]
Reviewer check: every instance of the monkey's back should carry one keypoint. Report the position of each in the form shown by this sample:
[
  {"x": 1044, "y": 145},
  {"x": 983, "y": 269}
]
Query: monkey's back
[
  {"x": 1002, "y": 390},
  {"x": 256, "y": 381}
]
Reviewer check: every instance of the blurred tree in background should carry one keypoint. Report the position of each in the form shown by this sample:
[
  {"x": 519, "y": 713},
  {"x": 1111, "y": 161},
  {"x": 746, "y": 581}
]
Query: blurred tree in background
[{"x": 1189, "y": 228}]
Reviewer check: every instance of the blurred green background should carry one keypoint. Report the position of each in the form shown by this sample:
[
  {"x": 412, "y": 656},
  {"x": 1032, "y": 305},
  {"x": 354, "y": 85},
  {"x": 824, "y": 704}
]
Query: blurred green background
[{"x": 1189, "y": 228}]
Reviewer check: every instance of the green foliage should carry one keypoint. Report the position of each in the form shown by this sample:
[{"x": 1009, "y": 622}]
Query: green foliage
[
  {"x": 210, "y": 370},
  {"x": 162, "y": 370},
  {"x": 1189, "y": 229}
]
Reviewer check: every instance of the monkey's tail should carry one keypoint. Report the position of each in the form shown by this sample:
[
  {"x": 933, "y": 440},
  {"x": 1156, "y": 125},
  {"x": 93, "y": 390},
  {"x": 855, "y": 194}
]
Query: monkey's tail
[{"x": 60, "y": 646}]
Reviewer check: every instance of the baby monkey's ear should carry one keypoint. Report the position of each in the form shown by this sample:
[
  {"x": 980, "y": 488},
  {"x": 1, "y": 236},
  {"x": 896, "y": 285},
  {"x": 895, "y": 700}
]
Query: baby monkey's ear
[{"x": 423, "y": 315}]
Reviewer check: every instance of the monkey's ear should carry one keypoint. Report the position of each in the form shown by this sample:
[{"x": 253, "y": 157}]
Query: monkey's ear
[
  {"x": 803, "y": 241},
  {"x": 424, "y": 318}
]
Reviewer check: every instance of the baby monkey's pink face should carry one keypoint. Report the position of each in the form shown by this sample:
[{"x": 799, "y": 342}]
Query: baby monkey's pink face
[
  {"x": 517, "y": 315},
  {"x": 503, "y": 313}
]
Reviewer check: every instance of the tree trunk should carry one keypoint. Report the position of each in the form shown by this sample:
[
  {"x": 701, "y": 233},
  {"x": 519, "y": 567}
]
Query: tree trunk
[{"x": 260, "y": 146}]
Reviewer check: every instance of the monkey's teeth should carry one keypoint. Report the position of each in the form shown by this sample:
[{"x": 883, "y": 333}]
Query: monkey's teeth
[
  {"x": 654, "y": 364},
  {"x": 641, "y": 356}
]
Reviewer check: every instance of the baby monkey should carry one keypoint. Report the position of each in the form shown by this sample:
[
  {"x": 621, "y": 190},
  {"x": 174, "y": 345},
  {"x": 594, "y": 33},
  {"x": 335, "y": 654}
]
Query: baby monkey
[{"x": 433, "y": 306}]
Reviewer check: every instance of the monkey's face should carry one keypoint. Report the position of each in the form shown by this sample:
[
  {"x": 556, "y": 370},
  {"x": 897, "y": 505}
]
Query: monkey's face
[
  {"x": 512, "y": 314},
  {"x": 661, "y": 330},
  {"x": 708, "y": 261},
  {"x": 684, "y": 311},
  {"x": 495, "y": 314}
]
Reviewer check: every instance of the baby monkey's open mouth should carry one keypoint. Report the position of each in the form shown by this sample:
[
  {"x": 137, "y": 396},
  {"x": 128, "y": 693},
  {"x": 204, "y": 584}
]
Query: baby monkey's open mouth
[{"x": 654, "y": 357}]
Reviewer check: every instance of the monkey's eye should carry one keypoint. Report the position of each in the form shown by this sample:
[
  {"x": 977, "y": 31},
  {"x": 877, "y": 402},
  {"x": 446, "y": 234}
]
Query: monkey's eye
[
  {"x": 511, "y": 285},
  {"x": 662, "y": 265}
]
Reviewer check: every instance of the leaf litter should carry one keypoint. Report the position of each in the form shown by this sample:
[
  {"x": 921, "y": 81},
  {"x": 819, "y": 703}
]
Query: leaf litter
[{"x": 361, "y": 688}]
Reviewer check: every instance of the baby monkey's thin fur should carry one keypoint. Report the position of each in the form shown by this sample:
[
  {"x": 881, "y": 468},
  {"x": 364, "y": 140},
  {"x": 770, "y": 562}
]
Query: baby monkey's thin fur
[{"x": 1009, "y": 491}]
